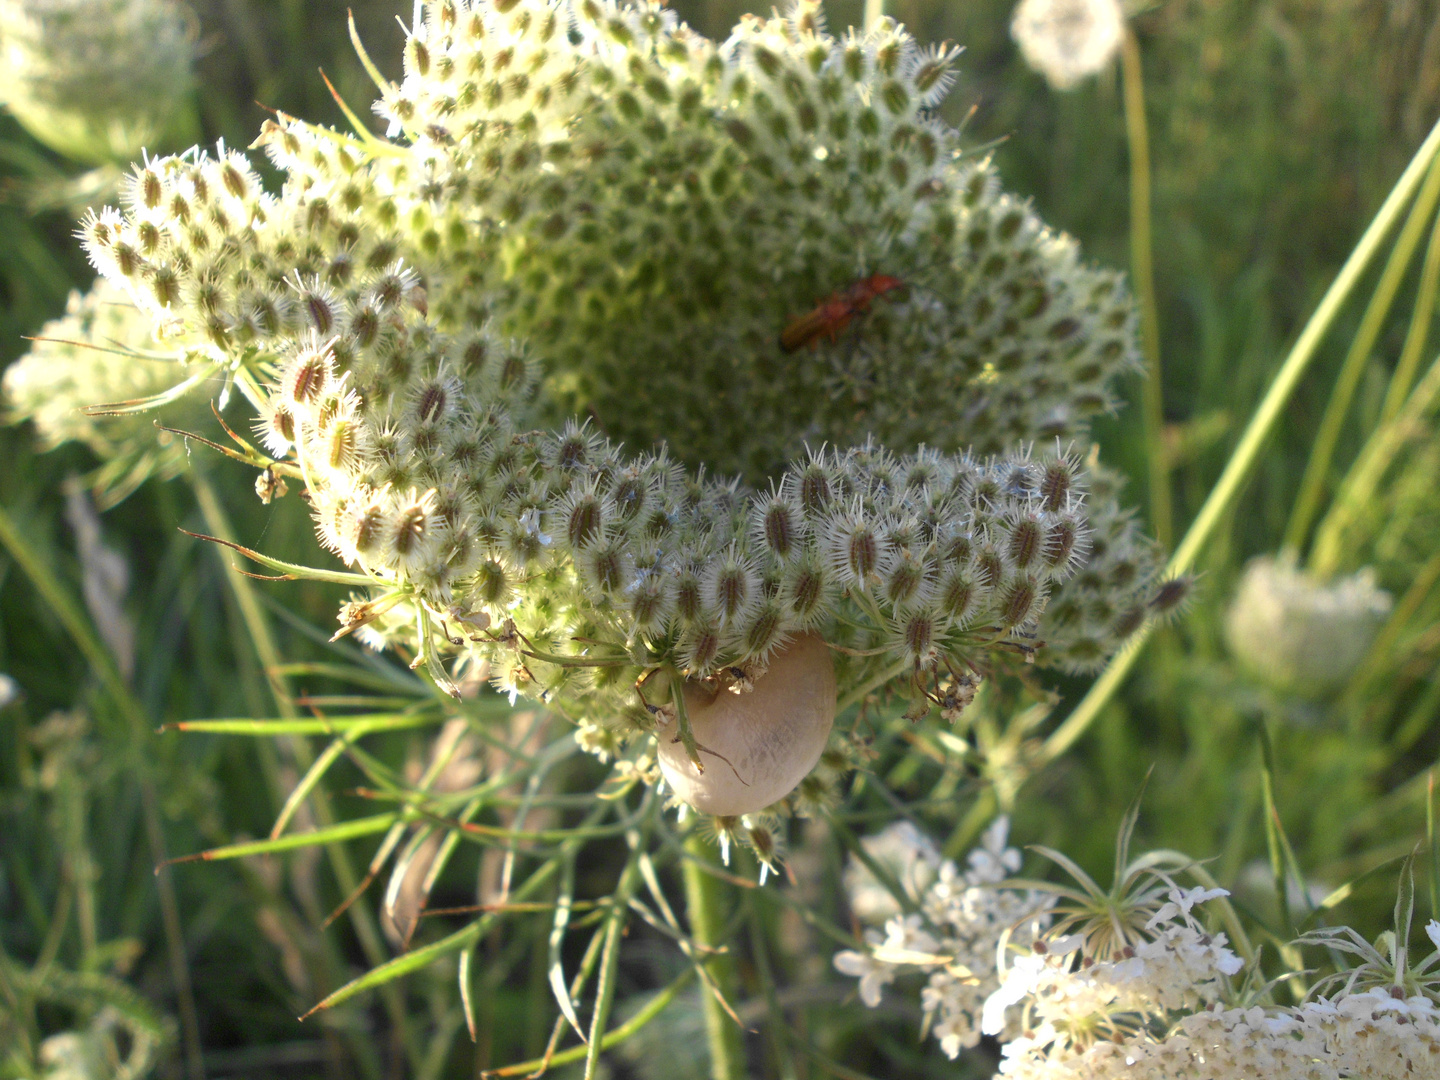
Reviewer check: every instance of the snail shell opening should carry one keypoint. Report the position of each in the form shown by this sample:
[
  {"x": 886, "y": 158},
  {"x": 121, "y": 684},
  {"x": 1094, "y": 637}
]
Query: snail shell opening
[{"x": 757, "y": 746}]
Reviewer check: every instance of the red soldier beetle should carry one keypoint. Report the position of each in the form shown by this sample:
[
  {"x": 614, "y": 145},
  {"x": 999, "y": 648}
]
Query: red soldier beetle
[{"x": 834, "y": 313}]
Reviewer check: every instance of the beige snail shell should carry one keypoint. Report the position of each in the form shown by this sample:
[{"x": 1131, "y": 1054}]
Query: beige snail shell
[{"x": 757, "y": 746}]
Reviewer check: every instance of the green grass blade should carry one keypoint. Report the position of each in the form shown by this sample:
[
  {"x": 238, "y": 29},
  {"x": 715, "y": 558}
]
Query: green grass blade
[
  {"x": 1322, "y": 452},
  {"x": 880, "y": 873},
  {"x": 346, "y": 830},
  {"x": 1246, "y": 455},
  {"x": 355, "y": 726},
  {"x": 1283, "y": 863},
  {"x": 318, "y": 768},
  {"x": 401, "y": 966},
  {"x": 1339, "y": 895},
  {"x": 1432, "y": 836},
  {"x": 414, "y": 961},
  {"x": 1418, "y": 334},
  {"x": 1364, "y": 475},
  {"x": 653, "y": 1008}
]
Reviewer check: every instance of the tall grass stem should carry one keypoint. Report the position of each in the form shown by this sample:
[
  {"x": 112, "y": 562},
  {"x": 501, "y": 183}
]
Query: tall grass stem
[
  {"x": 1243, "y": 459},
  {"x": 1322, "y": 452},
  {"x": 1142, "y": 271},
  {"x": 1418, "y": 335}
]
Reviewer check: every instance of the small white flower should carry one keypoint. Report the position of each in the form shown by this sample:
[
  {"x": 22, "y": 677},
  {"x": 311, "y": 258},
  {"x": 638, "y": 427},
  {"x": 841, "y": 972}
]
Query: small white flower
[
  {"x": 1019, "y": 982},
  {"x": 1067, "y": 40},
  {"x": 530, "y": 522},
  {"x": 874, "y": 976},
  {"x": 1181, "y": 901}
]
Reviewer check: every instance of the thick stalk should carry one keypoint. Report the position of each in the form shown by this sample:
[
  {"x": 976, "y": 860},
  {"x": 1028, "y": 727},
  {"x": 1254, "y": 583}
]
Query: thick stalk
[
  {"x": 1242, "y": 461},
  {"x": 705, "y": 905},
  {"x": 1142, "y": 271}
]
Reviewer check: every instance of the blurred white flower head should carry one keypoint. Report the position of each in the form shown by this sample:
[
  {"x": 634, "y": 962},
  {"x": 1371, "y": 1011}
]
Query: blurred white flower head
[
  {"x": 905, "y": 852},
  {"x": 1068, "y": 40},
  {"x": 1298, "y": 635},
  {"x": 96, "y": 80}
]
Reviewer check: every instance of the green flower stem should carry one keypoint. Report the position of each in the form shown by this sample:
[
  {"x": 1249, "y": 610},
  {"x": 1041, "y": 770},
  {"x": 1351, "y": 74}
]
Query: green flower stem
[
  {"x": 1317, "y": 469},
  {"x": 705, "y": 904},
  {"x": 103, "y": 664},
  {"x": 874, "y": 12},
  {"x": 653, "y": 1008},
  {"x": 614, "y": 928},
  {"x": 1242, "y": 461},
  {"x": 1142, "y": 270}
]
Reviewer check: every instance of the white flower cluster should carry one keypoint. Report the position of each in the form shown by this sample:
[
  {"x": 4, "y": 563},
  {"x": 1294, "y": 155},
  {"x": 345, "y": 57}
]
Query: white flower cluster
[
  {"x": 1167, "y": 1006},
  {"x": 1068, "y": 40},
  {"x": 955, "y": 934},
  {"x": 1298, "y": 635},
  {"x": 102, "y": 351},
  {"x": 1072, "y": 1000},
  {"x": 1167, "y": 1009},
  {"x": 96, "y": 80}
]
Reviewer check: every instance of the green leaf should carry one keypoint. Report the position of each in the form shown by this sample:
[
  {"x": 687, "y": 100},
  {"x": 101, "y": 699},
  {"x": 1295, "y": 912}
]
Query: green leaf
[
  {"x": 414, "y": 961},
  {"x": 292, "y": 570},
  {"x": 345, "y": 831},
  {"x": 404, "y": 965},
  {"x": 354, "y": 726}
]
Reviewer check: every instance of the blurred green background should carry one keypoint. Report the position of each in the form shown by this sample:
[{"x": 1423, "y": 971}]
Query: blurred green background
[{"x": 1277, "y": 128}]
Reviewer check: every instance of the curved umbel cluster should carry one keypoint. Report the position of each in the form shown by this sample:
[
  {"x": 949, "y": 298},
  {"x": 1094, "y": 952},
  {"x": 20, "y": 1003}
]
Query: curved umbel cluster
[
  {"x": 651, "y": 210},
  {"x": 394, "y": 314},
  {"x": 927, "y": 560}
]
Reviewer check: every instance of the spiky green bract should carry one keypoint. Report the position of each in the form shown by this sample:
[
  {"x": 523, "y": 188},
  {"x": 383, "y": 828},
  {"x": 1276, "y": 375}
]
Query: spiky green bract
[
  {"x": 102, "y": 352},
  {"x": 651, "y": 210},
  {"x": 1116, "y": 588}
]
